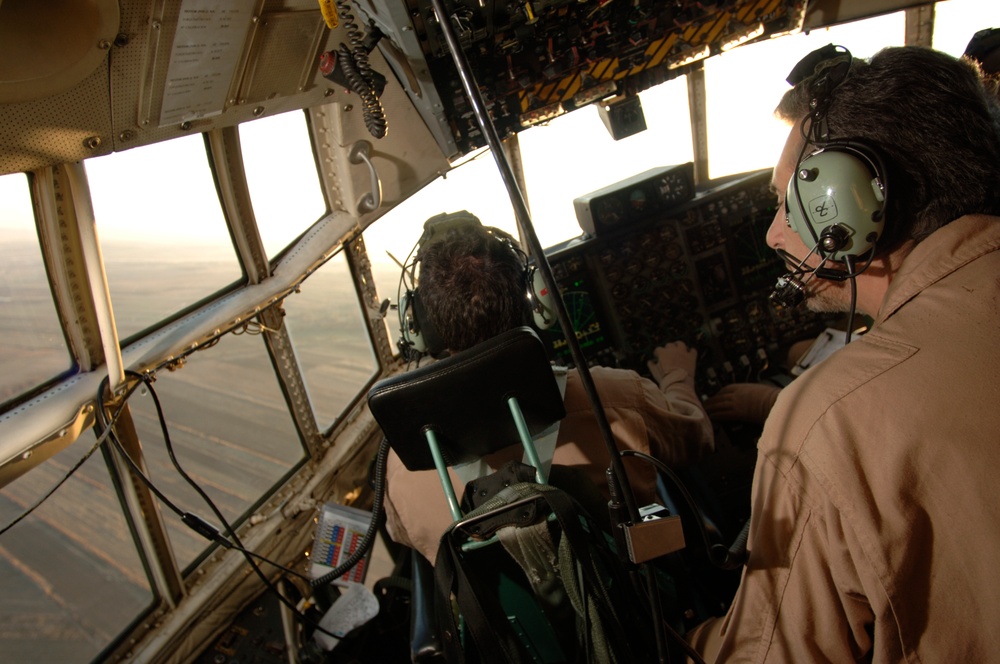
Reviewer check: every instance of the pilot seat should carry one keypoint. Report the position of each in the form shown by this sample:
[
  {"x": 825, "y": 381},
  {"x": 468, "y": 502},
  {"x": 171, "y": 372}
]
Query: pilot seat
[{"x": 530, "y": 572}]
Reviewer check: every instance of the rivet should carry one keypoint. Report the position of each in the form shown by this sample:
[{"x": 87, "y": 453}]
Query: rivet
[
  {"x": 104, "y": 44},
  {"x": 259, "y": 111},
  {"x": 185, "y": 125}
]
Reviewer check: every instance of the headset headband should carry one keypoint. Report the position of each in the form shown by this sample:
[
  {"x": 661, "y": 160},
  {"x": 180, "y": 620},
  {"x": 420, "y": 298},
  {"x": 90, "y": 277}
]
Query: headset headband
[{"x": 417, "y": 333}]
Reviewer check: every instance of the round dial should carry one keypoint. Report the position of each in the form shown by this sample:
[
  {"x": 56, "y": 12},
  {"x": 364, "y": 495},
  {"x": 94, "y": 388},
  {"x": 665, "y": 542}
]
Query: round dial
[{"x": 609, "y": 211}]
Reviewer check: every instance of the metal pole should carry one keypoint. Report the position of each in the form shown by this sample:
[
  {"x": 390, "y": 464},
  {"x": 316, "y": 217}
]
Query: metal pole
[{"x": 535, "y": 249}]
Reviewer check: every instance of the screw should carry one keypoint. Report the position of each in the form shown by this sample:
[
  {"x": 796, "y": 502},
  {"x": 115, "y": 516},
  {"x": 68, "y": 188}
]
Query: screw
[
  {"x": 185, "y": 125},
  {"x": 92, "y": 142},
  {"x": 121, "y": 39},
  {"x": 126, "y": 135},
  {"x": 104, "y": 44},
  {"x": 259, "y": 111}
]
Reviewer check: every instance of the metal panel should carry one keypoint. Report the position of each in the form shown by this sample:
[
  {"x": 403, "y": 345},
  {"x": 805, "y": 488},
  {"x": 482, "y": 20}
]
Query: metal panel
[{"x": 824, "y": 13}]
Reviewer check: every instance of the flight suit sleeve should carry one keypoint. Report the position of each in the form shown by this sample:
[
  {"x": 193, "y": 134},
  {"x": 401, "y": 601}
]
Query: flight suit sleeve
[
  {"x": 678, "y": 427},
  {"x": 416, "y": 509},
  {"x": 801, "y": 598}
]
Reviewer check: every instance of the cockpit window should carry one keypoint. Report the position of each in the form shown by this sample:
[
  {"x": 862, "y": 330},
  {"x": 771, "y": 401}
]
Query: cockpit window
[
  {"x": 70, "y": 575},
  {"x": 162, "y": 231},
  {"x": 281, "y": 174},
  {"x": 575, "y": 154},
  {"x": 956, "y": 21},
  {"x": 742, "y": 88},
  {"x": 34, "y": 349},
  {"x": 230, "y": 429},
  {"x": 331, "y": 340}
]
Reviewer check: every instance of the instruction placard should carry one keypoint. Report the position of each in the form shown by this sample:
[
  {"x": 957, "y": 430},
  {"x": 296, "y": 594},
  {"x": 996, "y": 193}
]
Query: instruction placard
[{"x": 203, "y": 59}]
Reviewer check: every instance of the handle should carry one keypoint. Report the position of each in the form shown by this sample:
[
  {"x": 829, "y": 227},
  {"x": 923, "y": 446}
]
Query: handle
[{"x": 360, "y": 153}]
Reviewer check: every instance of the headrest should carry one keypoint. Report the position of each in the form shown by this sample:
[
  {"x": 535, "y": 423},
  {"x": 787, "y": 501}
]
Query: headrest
[{"x": 463, "y": 399}]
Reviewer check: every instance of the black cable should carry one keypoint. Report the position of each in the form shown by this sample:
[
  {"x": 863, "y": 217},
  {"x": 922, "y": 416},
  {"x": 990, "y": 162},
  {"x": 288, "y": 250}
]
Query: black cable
[
  {"x": 849, "y": 260},
  {"x": 193, "y": 521},
  {"x": 357, "y": 70},
  {"x": 381, "y": 459},
  {"x": 198, "y": 524},
  {"x": 618, "y": 485},
  {"x": 718, "y": 555},
  {"x": 688, "y": 498},
  {"x": 409, "y": 269},
  {"x": 76, "y": 467}
]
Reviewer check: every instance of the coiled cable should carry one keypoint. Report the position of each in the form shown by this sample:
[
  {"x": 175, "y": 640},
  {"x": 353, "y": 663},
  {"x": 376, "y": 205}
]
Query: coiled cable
[{"x": 358, "y": 72}]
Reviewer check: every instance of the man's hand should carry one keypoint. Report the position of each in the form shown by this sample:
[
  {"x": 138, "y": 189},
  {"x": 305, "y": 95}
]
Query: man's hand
[
  {"x": 670, "y": 357},
  {"x": 745, "y": 402}
]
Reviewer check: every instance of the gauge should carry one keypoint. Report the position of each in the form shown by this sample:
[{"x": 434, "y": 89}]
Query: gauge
[
  {"x": 637, "y": 200},
  {"x": 674, "y": 187},
  {"x": 609, "y": 211}
]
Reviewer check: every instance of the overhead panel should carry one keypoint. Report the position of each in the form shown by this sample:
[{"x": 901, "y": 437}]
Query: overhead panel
[{"x": 535, "y": 60}]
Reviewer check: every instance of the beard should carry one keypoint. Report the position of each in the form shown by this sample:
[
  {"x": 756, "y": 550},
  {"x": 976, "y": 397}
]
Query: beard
[
  {"x": 829, "y": 298},
  {"x": 824, "y": 304}
]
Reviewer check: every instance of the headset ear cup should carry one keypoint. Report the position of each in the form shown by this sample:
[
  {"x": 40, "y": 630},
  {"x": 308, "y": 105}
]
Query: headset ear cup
[
  {"x": 409, "y": 326},
  {"x": 543, "y": 308},
  {"x": 839, "y": 185}
]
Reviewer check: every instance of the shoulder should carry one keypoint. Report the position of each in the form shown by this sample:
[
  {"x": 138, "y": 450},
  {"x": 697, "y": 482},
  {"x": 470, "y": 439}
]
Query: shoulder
[
  {"x": 616, "y": 388},
  {"x": 836, "y": 397}
]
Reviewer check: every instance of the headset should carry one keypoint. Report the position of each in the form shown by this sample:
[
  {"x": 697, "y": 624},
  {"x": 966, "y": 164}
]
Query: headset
[
  {"x": 837, "y": 197},
  {"x": 836, "y": 200},
  {"x": 417, "y": 334}
]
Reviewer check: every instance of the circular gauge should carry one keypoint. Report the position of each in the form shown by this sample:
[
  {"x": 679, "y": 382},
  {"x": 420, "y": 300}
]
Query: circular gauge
[
  {"x": 609, "y": 211},
  {"x": 637, "y": 200},
  {"x": 673, "y": 187}
]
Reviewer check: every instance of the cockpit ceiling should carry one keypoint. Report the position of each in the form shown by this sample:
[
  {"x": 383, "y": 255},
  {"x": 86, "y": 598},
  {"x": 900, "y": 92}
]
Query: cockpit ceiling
[
  {"x": 532, "y": 60},
  {"x": 536, "y": 60}
]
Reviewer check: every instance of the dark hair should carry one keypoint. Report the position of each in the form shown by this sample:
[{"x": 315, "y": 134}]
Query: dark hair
[
  {"x": 472, "y": 285},
  {"x": 935, "y": 124}
]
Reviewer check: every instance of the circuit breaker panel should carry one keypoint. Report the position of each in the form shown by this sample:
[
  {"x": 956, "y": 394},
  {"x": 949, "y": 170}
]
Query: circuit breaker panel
[{"x": 535, "y": 60}]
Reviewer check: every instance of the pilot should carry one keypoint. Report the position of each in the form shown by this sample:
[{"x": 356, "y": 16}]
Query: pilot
[
  {"x": 472, "y": 287},
  {"x": 875, "y": 505}
]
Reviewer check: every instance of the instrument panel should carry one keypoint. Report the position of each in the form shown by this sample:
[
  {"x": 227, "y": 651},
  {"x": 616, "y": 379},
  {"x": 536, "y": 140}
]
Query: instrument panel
[{"x": 699, "y": 272}]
